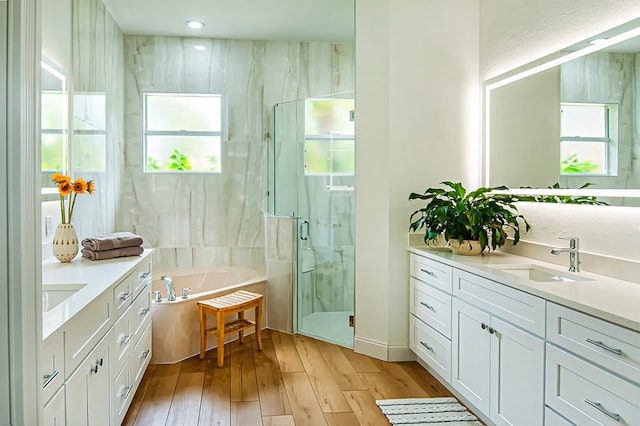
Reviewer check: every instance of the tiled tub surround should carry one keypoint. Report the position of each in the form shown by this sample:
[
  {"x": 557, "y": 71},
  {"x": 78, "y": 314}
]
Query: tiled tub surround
[
  {"x": 203, "y": 220},
  {"x": 176, "y": 327},
  {"x": 596, "y": 319}
]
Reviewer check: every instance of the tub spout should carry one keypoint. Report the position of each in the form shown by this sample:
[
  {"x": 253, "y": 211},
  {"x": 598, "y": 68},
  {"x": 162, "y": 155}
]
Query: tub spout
[{"x": 171, "y": 290}]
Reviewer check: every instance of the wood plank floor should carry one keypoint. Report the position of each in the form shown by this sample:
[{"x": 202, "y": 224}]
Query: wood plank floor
[{"x": 295, "y": 380}]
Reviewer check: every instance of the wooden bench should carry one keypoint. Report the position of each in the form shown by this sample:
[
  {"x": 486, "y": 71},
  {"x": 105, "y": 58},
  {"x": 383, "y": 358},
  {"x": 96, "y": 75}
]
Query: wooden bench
[{"x": 230, "y": 304}]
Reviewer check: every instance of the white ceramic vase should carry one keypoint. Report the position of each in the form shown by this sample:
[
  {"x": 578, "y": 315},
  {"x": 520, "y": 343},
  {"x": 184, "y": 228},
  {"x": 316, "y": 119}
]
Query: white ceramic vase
[
  {"x": 467, "y": 247},
  {"x": 65, "y": 243}
]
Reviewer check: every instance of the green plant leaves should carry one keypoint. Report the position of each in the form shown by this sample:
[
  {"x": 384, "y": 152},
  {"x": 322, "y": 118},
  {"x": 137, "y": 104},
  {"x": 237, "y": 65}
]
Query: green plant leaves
[{"x": 460, "y": 215}]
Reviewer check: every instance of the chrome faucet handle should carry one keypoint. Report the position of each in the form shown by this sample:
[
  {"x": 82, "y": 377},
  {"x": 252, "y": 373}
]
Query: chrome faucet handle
[
  {"x": 574, "y": 242},
  {"x": 185, "y": 291},
  {"x": 157, "y": 298}
]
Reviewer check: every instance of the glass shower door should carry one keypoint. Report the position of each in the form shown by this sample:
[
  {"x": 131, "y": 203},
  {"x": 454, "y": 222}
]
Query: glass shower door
[{"x": 314, "y": 161}]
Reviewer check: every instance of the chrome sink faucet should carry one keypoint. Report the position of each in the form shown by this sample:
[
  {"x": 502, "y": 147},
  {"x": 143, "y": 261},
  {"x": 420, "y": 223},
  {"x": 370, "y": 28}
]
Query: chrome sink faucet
[
  {"x": 573, "y": 250},
  {"x": 171, "y": 290}
]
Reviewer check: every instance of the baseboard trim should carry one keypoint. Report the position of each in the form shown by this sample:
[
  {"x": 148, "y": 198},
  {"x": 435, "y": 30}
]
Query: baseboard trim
[{"x": 384, "y": 352}]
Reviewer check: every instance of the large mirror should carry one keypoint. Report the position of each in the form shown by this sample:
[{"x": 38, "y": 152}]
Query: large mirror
[{"x": 569, "y": 121}]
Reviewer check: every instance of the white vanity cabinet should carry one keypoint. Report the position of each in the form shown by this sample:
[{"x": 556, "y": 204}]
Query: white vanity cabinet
[
  {"x": 497, "y": 365},
  {"x": 87, "y": 390},
  {"x": 108, "y": 337},
  {"x": 430, "y": 319},
  {"x": 593, "y": 369}
]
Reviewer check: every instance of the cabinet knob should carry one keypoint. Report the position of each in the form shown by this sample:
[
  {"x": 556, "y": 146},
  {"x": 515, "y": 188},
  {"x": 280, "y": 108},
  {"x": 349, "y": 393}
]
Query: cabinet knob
[
  {"x": 492, "y": 330},
  {"x": 94, "y": 369},
  {"x": 483, "y": 325}
]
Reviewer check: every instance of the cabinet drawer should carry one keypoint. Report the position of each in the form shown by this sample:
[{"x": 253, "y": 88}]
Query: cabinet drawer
[
  {"x": 128, "y": 329},
  {"x": 431, "y": 347},
  {"x": 127, "y": 382},
  {"x": 609, "y": 345},
  {"x": 123, "y": 295},
  {"x": 551, "y": 418},
  {"x": 51, "y": 365},
  {"x": 141, "y": 276},
  {"x": 431, "y": 306},
  {"x": 519, "y": 308},
  {"x": 85, "y": 329},
  {"x": 435, "y": 273},
  {"x": 53, "y": 413},
  {"x": 586, "y": 394}
]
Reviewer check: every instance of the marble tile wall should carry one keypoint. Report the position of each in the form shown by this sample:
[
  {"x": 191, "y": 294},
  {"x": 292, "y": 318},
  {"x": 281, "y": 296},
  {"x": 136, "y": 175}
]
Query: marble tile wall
[
  {"x": 217, "y": 219},
  {"x": 612, "y": 78},
  {"x": 97, "y": 66}
]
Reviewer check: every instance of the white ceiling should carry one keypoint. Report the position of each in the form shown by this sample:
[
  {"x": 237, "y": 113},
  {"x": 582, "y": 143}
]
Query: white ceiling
[{"x": 300, "y": 20}]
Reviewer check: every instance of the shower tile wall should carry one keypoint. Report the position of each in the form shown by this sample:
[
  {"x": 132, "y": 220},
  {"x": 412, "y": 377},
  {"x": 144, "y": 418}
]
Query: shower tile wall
[
  {"x": 98, "y": 69},
  {"x": 611, "y": 78},
  {"x": 216, "y": 219}
]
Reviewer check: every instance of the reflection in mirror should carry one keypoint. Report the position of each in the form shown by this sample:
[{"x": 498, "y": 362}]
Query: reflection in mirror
[
  {"x": 54, "y": 127},
  {"x": 569, "y": 120}
]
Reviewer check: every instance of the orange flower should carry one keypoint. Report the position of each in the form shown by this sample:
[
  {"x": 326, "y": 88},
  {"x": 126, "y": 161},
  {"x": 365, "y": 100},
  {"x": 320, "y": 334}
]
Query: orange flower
[
  {"x": 72, "y": 189},
  {"x": 60, "y": 178},
  {"x": 79, "y": 186},
  {"x": 64, "y": 188}
]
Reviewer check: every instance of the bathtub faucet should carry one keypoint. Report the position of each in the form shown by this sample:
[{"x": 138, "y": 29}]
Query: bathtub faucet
[{"x": 171, "y": 290}]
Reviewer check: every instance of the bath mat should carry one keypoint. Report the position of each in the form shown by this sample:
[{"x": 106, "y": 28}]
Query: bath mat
[{"x": 427, "y": 412}]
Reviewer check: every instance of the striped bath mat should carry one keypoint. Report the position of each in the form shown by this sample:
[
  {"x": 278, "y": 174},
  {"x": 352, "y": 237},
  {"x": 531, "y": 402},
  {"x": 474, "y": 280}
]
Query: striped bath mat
[{"x": 427, "y": 412}]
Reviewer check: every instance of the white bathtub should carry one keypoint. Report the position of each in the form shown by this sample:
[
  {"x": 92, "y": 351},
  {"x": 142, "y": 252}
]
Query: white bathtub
[{"x": 176, "y": 329}]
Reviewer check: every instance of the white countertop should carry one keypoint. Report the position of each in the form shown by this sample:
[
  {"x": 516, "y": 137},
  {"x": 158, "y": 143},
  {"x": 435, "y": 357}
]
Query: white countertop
[
  {"x": 98, "y": 275},
  {"x": 608, "y": 298}
]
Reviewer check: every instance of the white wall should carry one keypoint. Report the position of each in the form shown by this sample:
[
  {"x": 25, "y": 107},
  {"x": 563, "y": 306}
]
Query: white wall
[
  {"x": 416, "y": 125},
  {"x": 515, "y": 33}
]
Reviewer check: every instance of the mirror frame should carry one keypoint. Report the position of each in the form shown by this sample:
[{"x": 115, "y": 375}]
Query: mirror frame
[{"x": 605, "y": 39}]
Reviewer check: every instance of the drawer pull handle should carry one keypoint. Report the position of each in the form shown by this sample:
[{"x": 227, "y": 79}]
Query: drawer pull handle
[
  {"x": 615, "y": 416},
  {"x": 125, "y": 392},
  {"x": 48, "y": 378},
  {"x": 125, "y": 296},
  {"x": 145, "y": 354},
  {"x": 426, "y": 346},
  {"x": 428, "y": 306},
  {"x": 125, "y": 339},
  {"x": 428, "y": 272},
  {"x": 599, "y": 344},
  {"x": 144, "y": 275},
  {"x": 144, "y": 311}
]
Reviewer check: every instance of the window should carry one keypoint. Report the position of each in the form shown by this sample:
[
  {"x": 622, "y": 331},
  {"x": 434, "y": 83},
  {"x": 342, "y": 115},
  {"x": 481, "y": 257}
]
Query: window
[
  {"x": 182, "y": 132},
  {"x": 588, "y": 139},
  {"x": 329, "y": 137}
]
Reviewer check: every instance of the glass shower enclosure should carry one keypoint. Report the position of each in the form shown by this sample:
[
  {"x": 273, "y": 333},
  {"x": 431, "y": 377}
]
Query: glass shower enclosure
[{"x": 311, "y": 180}]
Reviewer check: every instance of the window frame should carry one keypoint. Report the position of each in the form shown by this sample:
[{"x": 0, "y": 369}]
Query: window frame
[
  {"x": 611, "y": 114},
  {"x": 180, "y": 133}
]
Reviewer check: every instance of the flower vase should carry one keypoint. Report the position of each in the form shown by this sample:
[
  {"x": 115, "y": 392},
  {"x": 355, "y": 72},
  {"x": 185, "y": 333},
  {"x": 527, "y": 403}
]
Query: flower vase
[{"x": 65, "y": 243}]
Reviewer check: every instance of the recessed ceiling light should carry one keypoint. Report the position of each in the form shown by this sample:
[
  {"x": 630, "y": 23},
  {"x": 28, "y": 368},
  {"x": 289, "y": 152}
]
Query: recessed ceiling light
[
  {"x": 598, "y": 40},
  {"x": 199, "y": 47},
  {"x": 195, "y": 25}
]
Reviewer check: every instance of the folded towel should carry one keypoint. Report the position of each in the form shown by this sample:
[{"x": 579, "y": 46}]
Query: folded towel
[
  {"x": 110, "y": 254},
  {"x": 112, "y": 241}
]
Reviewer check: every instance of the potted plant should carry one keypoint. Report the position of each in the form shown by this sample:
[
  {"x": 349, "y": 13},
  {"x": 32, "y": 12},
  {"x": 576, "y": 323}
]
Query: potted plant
[{"x": 469, "y": 221}]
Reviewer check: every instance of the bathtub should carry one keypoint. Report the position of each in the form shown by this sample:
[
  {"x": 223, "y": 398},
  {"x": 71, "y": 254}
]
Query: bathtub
[{"x": 176, "y": 328}]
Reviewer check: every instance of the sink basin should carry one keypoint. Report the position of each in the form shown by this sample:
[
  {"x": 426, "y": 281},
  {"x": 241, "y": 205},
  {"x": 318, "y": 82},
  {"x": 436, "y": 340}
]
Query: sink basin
[
  {"x": 540, "y": 273},
  {"x": 55, "y": 294}
]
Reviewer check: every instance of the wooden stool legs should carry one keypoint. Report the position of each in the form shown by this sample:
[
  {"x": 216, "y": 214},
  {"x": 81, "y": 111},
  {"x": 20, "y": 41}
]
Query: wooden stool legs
[{"x": 237, "y": 302}]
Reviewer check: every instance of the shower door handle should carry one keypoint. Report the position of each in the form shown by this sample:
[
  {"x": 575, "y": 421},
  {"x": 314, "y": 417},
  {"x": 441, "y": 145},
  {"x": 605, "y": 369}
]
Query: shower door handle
[{"x": 304, "y": 230}]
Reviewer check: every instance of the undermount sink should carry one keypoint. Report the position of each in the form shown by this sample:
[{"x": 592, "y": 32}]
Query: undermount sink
[
  {"x": 55, "y": 294},
  {"x": 540, "y": 273}
]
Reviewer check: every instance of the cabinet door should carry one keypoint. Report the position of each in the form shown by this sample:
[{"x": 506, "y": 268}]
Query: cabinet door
[
  {"x": 517, "y": 376},
  {"x": 471, "y": 351},
  {"x": 87, "y": 390},
  {"x": 53, "y": 413}
]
